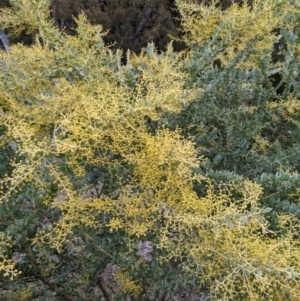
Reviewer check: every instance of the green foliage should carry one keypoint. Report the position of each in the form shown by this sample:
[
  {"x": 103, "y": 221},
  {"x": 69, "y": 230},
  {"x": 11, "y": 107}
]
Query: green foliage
[{"x": 170, "y": 175}]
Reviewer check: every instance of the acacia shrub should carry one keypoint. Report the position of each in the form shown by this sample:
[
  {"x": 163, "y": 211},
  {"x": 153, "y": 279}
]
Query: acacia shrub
[
  {"x": 243, "y": 116},
  {"x": 114, "y": 184}
]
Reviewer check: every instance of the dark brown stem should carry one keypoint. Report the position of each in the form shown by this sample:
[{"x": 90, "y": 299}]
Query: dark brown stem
[
  {"x": 44, "y": 279},
  {"x": 103, "y": 290},
  {"x": 99, "y": 193}
]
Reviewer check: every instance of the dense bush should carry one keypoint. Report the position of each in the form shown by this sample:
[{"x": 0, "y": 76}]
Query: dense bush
[
  {"x": 130, "y": 24},
  {"x": 173, "y": 176}
]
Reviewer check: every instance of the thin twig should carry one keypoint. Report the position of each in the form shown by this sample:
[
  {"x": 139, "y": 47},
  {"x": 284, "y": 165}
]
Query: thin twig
[
  {"x": 163, "y": 297},
  {"x": 103, "y": 290},
  {"x": 44, "y": 279}
]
